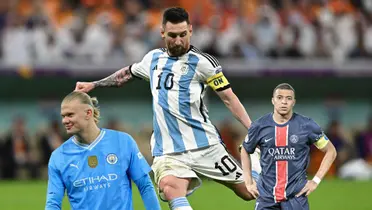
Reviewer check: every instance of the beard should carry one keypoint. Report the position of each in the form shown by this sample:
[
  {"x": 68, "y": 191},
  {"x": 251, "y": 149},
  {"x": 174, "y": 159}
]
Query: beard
[{"x": 177, "y": 50}]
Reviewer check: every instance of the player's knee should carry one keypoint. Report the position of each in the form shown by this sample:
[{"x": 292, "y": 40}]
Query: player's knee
[
  {"x": 172, "y": 187},
  {"x": 169, "y": 188},
  {"x": 166, "y": 182},
  {"x": 169, "y": 192}
]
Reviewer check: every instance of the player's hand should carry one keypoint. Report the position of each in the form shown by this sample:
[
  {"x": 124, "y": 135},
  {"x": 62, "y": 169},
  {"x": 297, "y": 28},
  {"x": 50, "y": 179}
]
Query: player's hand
[
  {"x": 252, "y": 189},
  {"x": 84, "y": 86},
  {"x": 309, "y": 188}
]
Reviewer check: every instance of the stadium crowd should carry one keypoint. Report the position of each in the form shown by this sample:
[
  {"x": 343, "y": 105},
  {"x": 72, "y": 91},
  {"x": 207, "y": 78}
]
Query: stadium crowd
[{"x": 56, "y": 31}]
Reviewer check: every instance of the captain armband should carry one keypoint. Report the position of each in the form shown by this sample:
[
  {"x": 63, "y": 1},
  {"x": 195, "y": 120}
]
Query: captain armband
[
  {"x": 218, "y": 82},
  {"x": 322, "y": 142}
]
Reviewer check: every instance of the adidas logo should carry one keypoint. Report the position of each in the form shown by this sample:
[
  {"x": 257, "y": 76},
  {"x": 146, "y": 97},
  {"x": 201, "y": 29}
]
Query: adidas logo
[{"x": 238, "y": 175}]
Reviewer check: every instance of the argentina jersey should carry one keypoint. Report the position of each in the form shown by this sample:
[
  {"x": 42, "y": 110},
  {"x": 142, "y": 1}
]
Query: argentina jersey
[
  {"x": 178, "y": 84},
  {"x": 94, "y": 174}
]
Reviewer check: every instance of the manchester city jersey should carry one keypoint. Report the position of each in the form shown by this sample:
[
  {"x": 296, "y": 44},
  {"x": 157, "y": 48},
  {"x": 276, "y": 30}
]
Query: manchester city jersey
[{"x": 96, "y": 176}]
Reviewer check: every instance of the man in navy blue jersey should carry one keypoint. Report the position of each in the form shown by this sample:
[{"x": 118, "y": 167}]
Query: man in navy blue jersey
[
  {"x": 95, "y": 166},
  {"x": 284, "y": 138}
]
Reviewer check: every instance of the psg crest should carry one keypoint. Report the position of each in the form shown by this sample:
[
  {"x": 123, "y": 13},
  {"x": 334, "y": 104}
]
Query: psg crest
[
  {"x": 294, "y": 139},
  {"x": 112, "y": 159},
  {"x": 92, "y": 161}
]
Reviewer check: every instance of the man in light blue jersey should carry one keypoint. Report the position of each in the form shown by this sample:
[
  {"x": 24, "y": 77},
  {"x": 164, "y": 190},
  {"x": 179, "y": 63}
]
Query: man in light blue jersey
[
  {"x": 95, "y": 166},
  {"x": 185, "y": 143}
]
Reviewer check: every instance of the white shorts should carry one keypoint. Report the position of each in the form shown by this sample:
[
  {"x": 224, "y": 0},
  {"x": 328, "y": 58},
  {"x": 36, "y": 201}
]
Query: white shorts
[{"x": 213, "y": 162}]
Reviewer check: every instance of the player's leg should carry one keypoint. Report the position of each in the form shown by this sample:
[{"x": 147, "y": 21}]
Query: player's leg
[
  {"x": 240, "y": 188},
  {"x": 216, "y": 163},
  {"x": 175, "y": 190},
  {"x": 175, "y": 180}
]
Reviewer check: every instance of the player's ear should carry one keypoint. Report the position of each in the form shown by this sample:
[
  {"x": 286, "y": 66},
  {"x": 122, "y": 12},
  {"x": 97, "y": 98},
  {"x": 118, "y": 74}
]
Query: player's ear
[
  {"x": 162, "y": 32},
  {"x": 272, "y": 100},
  {"x": 89, "y": 114},
  {"x": 190, "y": 29}
]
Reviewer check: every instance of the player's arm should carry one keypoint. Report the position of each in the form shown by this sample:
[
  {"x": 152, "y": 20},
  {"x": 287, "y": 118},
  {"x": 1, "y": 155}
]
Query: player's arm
[
  {"x": 56, "y": 188},
  {"x": 321, "y": 141},
  {"x": 121, "y": 76},
  {"x": 117, "y": 79},
  {"x": 147, "y": 191},
  {"x": 235, "y": 106},
  {"x": 328, "y": 159},
  {"x": 211, "y": 73},
  {"x": 249, "y": 145},
  {"x": 138, "y": 171},
  {"x": 247, "y": 167}
]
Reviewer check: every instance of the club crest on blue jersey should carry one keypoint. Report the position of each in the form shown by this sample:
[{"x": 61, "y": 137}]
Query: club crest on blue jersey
[
  {"x": 293, "y": 139},
  {"x": 92, "y": 161},
  {"x": 112, "y": 158}
]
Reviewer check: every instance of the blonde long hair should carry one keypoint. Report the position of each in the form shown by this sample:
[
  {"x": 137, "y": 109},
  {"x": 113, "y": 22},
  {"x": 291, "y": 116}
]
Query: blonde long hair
[{"x": 85, "y": 99}]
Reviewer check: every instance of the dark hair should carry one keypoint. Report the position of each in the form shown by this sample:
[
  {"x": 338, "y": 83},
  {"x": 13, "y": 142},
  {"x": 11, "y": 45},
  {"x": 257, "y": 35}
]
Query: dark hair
[
  {"x": 175, "y": 15},
  {"x": 284, "y": 86}
]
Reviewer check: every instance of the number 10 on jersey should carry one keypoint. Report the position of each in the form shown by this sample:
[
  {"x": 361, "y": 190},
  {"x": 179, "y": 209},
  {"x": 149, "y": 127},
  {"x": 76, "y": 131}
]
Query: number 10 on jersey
[{"x": 167, "y": 83}]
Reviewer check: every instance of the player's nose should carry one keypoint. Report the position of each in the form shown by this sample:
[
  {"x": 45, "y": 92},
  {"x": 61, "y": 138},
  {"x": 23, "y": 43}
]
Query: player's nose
[
  {"x": 178, "y": 41},
  {"x": 65, "y": 120}
]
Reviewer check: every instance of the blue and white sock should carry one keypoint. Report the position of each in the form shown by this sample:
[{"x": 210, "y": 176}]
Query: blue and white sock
[{"x": 180, "y": 203}]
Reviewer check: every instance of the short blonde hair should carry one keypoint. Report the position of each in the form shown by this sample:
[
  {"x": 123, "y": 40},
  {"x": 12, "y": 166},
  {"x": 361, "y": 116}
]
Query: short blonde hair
[{"x": 85, "y": 99}]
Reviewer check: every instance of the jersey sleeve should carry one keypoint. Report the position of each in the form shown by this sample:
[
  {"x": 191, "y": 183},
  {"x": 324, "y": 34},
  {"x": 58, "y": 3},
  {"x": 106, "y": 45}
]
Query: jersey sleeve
[
  {"x": 138, "y": 166},
  {"x": 316, "y": 135},
  {"x": 210, "y": 72},
  {"x": 56, "y": 187},
  {"x": 252, "y": 139},
  {"x": 147, "y": 192},
  {"x": 142, "y": 69}
]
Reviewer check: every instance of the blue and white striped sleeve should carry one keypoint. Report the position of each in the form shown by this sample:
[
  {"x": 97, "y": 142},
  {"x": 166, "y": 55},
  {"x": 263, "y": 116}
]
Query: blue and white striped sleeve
[
  {"x": 142, "y": 68},
  {"x": 56, "y": 188}
]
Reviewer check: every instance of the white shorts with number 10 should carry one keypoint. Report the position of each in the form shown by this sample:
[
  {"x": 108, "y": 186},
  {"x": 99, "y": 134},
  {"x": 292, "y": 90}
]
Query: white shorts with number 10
[{"x": 213, "y": 162}]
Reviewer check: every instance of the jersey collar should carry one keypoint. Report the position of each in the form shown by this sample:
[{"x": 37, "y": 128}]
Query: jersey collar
[{"x": 93, "y": 144}]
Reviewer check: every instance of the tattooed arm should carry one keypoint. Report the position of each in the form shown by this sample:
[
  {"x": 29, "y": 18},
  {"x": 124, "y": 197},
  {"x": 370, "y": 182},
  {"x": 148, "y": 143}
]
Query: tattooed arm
[
  {"x": 116, "y": 79},
  {"x": 139, "y": 70}
]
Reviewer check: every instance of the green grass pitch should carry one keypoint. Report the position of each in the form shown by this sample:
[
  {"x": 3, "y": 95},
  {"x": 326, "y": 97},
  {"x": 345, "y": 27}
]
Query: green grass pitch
[{"x": 330, "y": 195}]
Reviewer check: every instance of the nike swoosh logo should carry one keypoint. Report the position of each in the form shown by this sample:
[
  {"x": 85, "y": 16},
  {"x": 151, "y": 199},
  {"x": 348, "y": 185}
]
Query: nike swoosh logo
[{"x": 269, "y": 139}]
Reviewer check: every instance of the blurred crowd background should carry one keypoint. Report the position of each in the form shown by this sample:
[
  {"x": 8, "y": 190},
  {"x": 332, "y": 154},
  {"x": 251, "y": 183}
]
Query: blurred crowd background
[
  {"x": 322, "y": 47},
  {"x": 45, "y": 31}
]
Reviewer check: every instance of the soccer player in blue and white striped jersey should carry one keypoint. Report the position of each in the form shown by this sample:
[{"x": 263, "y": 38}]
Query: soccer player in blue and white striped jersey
[
  {"x": 185, "y": 143},
  {"x": 95, "y": 166}
]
